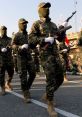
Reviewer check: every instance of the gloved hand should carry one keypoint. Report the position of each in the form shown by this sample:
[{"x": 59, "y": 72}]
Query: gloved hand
[
  {"x": 23, "y": 50},
  {"x": 64, "y": 50},
  {"x": 49, "y": 39},
  {"x": 3, "y": 50},
  {"x": 24, "y": 46}
]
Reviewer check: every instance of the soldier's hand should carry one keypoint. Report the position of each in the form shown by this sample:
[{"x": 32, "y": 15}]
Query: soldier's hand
[
  {"x": 64, "y": 50},
  {"x": 23, "y": 50},
  {"x": 3, "y": 50},
  {"x": 49, "y": 39},
  {"x": 24, "y": 46}
]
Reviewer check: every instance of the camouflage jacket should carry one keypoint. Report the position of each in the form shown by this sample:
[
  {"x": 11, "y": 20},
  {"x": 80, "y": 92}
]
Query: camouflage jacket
[
  {"x": 19, "y": 39},
  {"x": 39, "y": 31},
  {"x": 5, "y": 42}
]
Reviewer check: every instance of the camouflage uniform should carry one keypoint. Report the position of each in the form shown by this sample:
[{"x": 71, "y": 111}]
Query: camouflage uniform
[
  {"x": 6, "y": 58},
  {"x": 63, "y": 46},
  {"x": 42, "y": 33},
  {"x": 50, "y": 59},
  {"x": 24, "y": 59},
  {"x": 14, "y": 56},
  {"x": 64, "y": 56},
  {"x": 35, "y": 55}
]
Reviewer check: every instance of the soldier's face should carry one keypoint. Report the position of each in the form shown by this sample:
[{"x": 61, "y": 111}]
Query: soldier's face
[
  {"x": 44, "y": 12},
  {"x": 3, "y": 32},
  {"x": 22, "y": 26}
]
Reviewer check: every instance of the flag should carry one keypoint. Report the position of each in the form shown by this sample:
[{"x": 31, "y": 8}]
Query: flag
[{"x": 66, "y": 41}]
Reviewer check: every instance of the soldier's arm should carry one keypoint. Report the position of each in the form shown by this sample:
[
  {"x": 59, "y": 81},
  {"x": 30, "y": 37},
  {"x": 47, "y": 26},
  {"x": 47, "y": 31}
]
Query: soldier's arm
[
  {"x": 35, "y": 36},
  {"x": 10, "y": 43},
  {"x": 14, "y": 42}
]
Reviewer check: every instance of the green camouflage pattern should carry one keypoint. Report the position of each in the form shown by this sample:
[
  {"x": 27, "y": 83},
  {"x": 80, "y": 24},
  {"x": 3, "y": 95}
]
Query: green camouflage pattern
[
  {"x": 24, "y": 60},
  {"x": 49, "y": 56},
  {"x": 64, "y": 55},
  {"x": 6, "y": 43},
  {"x": 6, "y": 60}
]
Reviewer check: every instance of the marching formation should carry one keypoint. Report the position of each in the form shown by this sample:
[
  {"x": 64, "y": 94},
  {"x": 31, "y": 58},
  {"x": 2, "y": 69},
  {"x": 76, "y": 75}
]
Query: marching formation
[{"x": 17, "y": 53}]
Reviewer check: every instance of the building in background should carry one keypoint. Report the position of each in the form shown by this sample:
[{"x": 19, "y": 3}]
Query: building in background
[{"x": 73, "y": 38}]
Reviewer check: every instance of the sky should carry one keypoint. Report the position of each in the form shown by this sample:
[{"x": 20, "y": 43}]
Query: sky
[{"x": 12, "y": 10}]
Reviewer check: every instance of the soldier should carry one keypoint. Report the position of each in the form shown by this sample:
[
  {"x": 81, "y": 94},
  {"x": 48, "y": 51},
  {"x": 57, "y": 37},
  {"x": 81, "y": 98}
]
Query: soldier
[
  {"x": 64, "y": 51},
  {"x": 43, "y": 32},
  {"x": 7, "y": 60},
  {"x": 24, "y": 59},
  {"x": 14, "y": 56},
  {"x": 36, "y": 60}
]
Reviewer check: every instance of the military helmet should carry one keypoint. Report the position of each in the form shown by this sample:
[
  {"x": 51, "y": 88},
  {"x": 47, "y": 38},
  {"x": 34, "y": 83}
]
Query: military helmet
[
  {"x": 3, "y": 28},
  {"x": 45, "y": 5},
  {"x": 22, "y": 20}
]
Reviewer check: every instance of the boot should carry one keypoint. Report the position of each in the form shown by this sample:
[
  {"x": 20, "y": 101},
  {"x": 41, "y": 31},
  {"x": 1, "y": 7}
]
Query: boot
[
  {"x": 27, "y": 97},
  {"x": 44, "y": 97},
  {"x": 51, "y": 110},
  {"x": 3, "y": 91},
  {"x": 8, "y": 86},
  {"x": 65, "y": 78}
]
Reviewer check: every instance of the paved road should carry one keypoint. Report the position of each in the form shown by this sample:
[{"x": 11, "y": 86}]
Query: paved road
[{"x": 68, "y": 99}]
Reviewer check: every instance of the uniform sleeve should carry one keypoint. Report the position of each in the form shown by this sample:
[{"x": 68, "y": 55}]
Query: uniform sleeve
[
  {"x": 15, "y": 40},
  {"x": 10, "y": 41},
  {"x": 35, "y": 36}
]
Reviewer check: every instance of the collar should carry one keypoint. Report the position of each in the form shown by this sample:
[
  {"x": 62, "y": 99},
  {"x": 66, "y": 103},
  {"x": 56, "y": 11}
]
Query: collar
[
  {"x": 3, "y": 36},
  {"x": 45, "y": 19},
  {"x": 24, "y": 32}
]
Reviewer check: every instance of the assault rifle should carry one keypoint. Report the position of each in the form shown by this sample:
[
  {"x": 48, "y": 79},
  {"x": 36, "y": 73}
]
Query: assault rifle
[
  {"x": 64, "y": 29},
  {"x": 67, "y": 20}
]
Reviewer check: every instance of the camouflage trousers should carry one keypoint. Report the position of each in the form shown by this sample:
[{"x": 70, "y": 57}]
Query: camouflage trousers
[
  {"x": 10, "y": 70},
  {"x": 54, "y": 75},
  {"x": 63, "y": 63},
  {"x": 24, "y": 67},
  {"x": 15, "y": 63}
]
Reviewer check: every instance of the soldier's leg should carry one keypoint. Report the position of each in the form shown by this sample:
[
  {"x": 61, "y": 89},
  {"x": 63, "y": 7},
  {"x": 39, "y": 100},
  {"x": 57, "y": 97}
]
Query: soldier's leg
[
  {"x": 22, "y": 70},
  {"x": 32, "y": 73},
  {"x": 24, "y": 85},
  {"x": 54, "y": 78},
  {"x": 59, "y": 74},
  {"x": 10, "y": 71},
  {"x": 37, "y": 65},
  {"x": 65, "y": 68},
  {"x": 2, "y": 80},
  {"x": 23, "y": 78},
  {"x": 50, "y": 88},
  {"x": 36, "y": 60},
  {"x": 15, "y": 63},
  {"x": 50, "y": 84}
]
